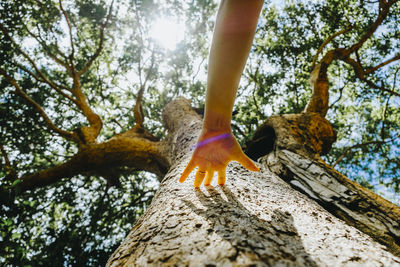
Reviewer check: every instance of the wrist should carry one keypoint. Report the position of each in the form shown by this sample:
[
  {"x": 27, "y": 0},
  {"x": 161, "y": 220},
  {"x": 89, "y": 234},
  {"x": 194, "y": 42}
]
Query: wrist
[{"x": 216, "y": 122}]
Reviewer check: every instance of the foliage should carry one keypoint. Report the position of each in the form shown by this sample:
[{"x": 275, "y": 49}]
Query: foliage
[
  {"x": 79, "y": 221},
  {"x": 366, "y": 119}
]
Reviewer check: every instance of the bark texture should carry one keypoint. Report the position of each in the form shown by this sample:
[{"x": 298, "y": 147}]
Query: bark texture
[
  {"x": 256, "y": 219},
  {"x": 342, "y": 197},
  {"x": 128, "y": 149}
]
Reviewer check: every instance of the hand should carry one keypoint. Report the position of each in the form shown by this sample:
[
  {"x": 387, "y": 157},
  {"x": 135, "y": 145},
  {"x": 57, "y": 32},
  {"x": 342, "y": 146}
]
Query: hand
[{"x": 214, "y": 150}]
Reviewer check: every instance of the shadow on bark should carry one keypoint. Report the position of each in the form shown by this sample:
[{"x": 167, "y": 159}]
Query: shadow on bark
[{"x": 273, "y": 242}]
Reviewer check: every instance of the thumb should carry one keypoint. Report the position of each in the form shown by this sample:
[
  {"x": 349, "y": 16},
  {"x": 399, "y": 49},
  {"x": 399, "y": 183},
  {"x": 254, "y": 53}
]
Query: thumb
[{"x": 247, "y": 163}]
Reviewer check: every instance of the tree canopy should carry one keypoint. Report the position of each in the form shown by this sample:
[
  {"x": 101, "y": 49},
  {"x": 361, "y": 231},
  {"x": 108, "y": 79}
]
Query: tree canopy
[{"x": 76, "y": 74}]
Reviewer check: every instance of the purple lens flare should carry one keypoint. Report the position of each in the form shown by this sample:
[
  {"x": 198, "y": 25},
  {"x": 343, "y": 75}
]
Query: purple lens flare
[{"x": 211, "y": 139}]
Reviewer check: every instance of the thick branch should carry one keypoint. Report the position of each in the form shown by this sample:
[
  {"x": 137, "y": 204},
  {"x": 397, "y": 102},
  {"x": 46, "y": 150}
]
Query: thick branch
[
  {"x": 138, "y": 109},
  {"x": 100, "y": 158},
  {"x": 319, "y": 79},
  {"x": 88, "y": 134},
  {"x": 85, "y": 135},
  {"x": 38, "y": 108},
  {"x": 342, "y": 197},
  {"x": 319, "y": 102},
  {"x": 100, "y": 47}
]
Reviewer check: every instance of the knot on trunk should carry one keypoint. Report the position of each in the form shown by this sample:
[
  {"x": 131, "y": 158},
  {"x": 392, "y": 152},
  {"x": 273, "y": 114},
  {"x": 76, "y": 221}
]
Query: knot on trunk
[{"x": 308, "y": 134}]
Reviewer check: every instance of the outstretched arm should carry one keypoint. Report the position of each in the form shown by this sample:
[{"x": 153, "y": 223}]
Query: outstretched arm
[{"x": 233, "y": 35}]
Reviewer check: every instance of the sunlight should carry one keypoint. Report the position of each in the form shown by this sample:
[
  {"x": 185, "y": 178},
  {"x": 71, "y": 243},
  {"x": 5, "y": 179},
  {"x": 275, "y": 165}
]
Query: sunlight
[{"x": 167, "y": 32}]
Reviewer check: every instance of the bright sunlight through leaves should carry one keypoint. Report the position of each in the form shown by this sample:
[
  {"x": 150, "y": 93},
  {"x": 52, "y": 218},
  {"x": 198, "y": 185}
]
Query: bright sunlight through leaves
[{"x": 167, "y": 32}]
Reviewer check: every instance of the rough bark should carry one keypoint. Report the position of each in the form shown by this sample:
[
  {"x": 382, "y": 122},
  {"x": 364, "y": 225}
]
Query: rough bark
[
  {"x": 131, "y": 149},
  {"x": 340, "y": 196},
  {"x": 256, "y": 219}
]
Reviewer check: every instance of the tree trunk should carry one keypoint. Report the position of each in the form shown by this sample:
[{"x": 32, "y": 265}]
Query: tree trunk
[{"x": 255, "y": 219}]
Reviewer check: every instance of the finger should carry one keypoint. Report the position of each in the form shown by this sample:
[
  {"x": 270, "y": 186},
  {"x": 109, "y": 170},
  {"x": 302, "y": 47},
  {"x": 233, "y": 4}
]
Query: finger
[
  {"x": 221, "y": 176},
  {"x": 209, "y": 177},
  {"x": 248, "y": 163},
  {"x": 198, "y": 179},
  {"x": 189, "y": 168}
]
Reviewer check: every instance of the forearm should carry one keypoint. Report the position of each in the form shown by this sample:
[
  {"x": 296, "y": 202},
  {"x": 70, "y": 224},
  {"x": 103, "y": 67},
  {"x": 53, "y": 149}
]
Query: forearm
[{"x": 232, "y": 39}]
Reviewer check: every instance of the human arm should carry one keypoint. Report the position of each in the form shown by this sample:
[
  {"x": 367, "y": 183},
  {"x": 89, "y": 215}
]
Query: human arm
[{"x": 233, "y": 35}]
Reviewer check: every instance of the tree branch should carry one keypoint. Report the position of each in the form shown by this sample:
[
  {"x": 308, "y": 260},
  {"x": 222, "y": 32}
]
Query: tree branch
[
  {"x": 340, "y": 95},
  {"x": 66, "y": 134},
  {"x": 319, "y": 101},
  {"x": 47, "y": 49},
  {"x": 84, "y": 135},
  {"x": 100, "y": 47},
  {"x": 11, "y": 174},
  {"x": 346, "y": 199},
  {"x": 55, "y": 43},
  {"x": 122, "y": 150},
  {"x": 30, "y": 60},
  {"x": 348, "y": 149},
  {"x": 360, "y": 73},
  {"x": 71, "y": 56},
  {"x": 237, "y": 128},
  {"x": 39, "y": 79},
  {"x": 373, "y": 69},
  {"x": 319, "y": 80},
  {"x": 327, "y": 41},
  {"x": 384, "y": 8},
  {"x": 386, "y": 106},
  {"x": 384, "y": 118},
  {"x": 138, "y": 109}
]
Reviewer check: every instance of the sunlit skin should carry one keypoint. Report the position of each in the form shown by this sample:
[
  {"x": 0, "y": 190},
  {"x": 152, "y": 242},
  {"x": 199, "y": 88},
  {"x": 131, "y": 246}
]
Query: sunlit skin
[{"x": 233, "y": 35}]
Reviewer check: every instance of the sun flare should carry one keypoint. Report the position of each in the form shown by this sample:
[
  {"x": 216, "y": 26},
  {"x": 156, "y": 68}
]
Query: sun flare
[{"x": 167, "y": 32}]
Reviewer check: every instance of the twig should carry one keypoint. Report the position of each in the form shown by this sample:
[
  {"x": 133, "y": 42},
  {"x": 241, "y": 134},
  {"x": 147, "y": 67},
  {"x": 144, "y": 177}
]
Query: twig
[
  {"x": 100, "y": 47},
  {"x": 383, "y": 12},
  {"x": 386, "y": 106},
  {"x": 39, "y": 109},
  {"x": 138, "y": 109},
  {"x": 253, "y": 78},
  {"x": 71, "y": 56},
  {"x": 384, "y": 118},
  {"x": 348, "y": 149},
  {"x": 360, "y": 73},
  {"x": 373, "y": 69},
  {"x": 40, "y": 40},
  {"x": 237, "y": 128},
  {"x": 340, "y": 95},
  {"x": 57, "y": 87},
  {"x": 198, "y": 70},
  {"x": 327, "y": 41},
  {"x": 27, "y": 57}
]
